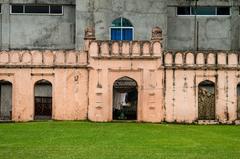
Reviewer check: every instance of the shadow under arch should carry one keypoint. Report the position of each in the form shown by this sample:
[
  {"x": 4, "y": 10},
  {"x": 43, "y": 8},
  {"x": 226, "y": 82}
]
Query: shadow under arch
[
  {"x": 206, "y": 100},
  {"x": 5, "y": 100},
  {"x": 125, "y": 99},
  {"x": 42, "y": 100},
  {"x": 238, "y": 101}
]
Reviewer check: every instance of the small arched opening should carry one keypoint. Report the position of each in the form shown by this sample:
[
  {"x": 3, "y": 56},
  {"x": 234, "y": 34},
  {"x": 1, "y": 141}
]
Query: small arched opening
[
  {"x": 238, "y": 101},
  {"x": 43, "y": 100},
  {"x": 206, "y": 100},
  {"x": 5, "y": 100},
  {"x": 125, "y": 99}
]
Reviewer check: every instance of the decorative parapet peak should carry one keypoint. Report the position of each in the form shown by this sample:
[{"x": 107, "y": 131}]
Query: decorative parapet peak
[
  {"x": 156, "y": 34},
  {"x": 89, "y": 33},
  {"x": 125, "y": 49},
  {"x": 201, "y": 60},
  {"x": 46, "y": 58}
]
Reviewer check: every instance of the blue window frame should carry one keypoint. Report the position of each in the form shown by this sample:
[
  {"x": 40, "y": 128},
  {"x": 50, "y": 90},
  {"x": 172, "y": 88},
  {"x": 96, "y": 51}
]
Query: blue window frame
[{"x": 121, "y": 29}]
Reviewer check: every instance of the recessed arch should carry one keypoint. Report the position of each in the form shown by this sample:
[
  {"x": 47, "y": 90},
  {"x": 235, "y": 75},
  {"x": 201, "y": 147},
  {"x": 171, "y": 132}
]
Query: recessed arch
[
  {"x": 125, "y": 99},
  {"x": 206, "y": 100},
  {"x": 121, "y": 29},
  {"x": 238, "y": 101},
  {"x": 5, "y": 100},
  {"x": 42, "y": 100}
]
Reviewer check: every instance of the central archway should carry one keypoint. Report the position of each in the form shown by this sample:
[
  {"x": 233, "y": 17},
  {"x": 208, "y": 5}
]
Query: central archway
[{"x": 125, "y": 99}]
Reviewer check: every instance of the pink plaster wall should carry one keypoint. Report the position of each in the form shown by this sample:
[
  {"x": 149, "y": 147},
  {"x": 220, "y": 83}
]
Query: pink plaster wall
[{"x": 82, "y": 81}]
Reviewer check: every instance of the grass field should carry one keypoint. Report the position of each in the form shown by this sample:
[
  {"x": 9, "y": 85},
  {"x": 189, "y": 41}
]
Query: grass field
[{"x": 85, "y": 140}]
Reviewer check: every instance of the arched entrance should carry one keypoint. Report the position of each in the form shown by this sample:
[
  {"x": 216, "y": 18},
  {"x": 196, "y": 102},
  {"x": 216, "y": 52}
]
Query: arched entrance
[
  {"x": 206, "y": 100},
  {"x": 238, "y": 101},
  {"x": 5, "y": 100},
  {"x": 43, "y": 100},
  {"x": 125, "y": 99}
]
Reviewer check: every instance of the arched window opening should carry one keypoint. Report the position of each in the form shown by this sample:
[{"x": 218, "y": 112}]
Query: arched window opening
[
  {"x": 43, "y": 100},
  {"x": 125, "y": 99},
  {"x": 206, "y": 100},
  {"x": 238, "y": 101},
  {"x": 122, "y": 29},
  {"x": 5, "y": 100}
]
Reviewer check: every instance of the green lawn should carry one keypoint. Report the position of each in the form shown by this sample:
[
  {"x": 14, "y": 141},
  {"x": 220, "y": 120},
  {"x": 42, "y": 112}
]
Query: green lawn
[{"x": 85, "y": 140}]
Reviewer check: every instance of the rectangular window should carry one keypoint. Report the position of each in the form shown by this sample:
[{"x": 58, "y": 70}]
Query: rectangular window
[
  {"x": 0, "y": 8},
  {"x": 56, "y": 9},
  {"x": 17, "y": 9},
  {"x": 203, "y": 10},
  {"x": 116, "y": 34},
  {"x": 127, "y": 34},
  {"x": 183, "y": 11},
  {"x": 37, "y": 9},
  {"x": 223, "y": 11},
  {"x": 122, "y": 33}
]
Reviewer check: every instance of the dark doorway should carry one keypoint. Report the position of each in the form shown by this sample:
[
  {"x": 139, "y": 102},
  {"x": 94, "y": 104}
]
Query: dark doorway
[
  {"x": 5, "y": 100},
  {"x": 238, "y": 101},
  {"x": 125, "y": 99},
  {"x": 206, "y": 100},
  {"x": 43, "y": 100}
]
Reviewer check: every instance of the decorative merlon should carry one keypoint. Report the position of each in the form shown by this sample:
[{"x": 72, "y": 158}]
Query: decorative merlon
[
  {"x": 156, "y": 34},
  {"x": 47, "y": 58},
  {"x": 89, "y": 33}
]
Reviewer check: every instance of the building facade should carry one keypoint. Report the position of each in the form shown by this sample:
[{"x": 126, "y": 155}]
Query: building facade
[{"x": 106, "y": 60}]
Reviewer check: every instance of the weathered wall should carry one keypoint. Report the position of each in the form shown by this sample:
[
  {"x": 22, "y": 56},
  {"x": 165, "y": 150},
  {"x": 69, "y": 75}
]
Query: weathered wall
[
  {"x": 214, "y": 32},
  {"x": 43, "y": 32},
  {"x": 183, "y": 75},
  {"x": 169, "y": 90},
  {"x": 33, "y": 31},
  {"x": 65, "y": 70},
  {"x": 82, "y": 86},
  {"x": 100, "y": 13},
  {"x": 138, "y": 60},
  {"x": 67, "y": 31}
]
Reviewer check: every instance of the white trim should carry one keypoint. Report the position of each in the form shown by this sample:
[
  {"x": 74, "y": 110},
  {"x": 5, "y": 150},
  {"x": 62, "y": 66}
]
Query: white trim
[
  {"x": 121, "y": 27},
  {"x": 192, "y": 14},
  {"x": 37, "y": 14},
  {"x": 110, "y": 33}
]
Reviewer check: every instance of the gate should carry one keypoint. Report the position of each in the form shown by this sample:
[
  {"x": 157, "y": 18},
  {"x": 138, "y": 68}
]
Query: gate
[
  {"x": 43, "y": 106},
  {"x": 238, "y": 101},
  {"x": 206, "y": 101},
  {"x": 43, "y": 100}
]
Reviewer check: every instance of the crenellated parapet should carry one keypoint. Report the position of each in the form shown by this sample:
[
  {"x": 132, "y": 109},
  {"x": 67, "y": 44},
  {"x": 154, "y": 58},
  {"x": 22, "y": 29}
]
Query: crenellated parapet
[
  {"x": 125, "y": 49},
  {"x": 201, "y": 60},
  {"x": 46, "y": 58}
]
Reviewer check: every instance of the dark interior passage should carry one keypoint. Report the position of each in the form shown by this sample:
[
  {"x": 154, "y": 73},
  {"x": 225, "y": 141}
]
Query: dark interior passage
[
  {"x": 5, "y": 100},
  {"x": 238, "y": 101},
  {"x": 125, "y": 99},
  {"x": 43, "y": 100}
]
